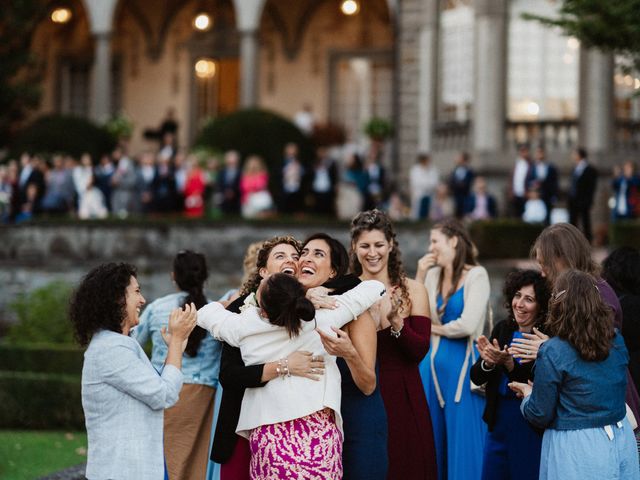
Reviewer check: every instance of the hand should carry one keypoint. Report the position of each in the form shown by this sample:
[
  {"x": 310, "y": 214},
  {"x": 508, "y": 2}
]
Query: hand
[
  {"x": 340, "y": 346},
  {"x": 521, "y": 389},
  {"x": 304, "y": 364},
  {"x": 437, "y": 329},
  {"x": 394, "y": 318},
  {"x": 493, "y": 355},
  {"x": 427, "y": 261},
  {"x": 526, "y": 348},
  {"x": 320, "y": 298},
  {"x": 181, "y": 323}
]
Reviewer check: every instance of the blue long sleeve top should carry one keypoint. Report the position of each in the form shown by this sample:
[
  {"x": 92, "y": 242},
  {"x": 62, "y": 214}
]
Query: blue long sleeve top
[{"x": 570, "y": 393}]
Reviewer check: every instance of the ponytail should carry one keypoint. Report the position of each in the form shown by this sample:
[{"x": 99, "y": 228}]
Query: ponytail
[{"x": 283, "y": 300}]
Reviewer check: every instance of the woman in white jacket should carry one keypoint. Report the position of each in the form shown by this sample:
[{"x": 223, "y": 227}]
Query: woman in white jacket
[{"x": 294, "y": 426}]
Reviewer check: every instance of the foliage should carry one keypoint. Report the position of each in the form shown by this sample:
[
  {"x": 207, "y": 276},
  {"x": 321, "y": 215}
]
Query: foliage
[
  {"x": 35, "y": 454},
  {"x": 378, "y": 128},
  {"x": 504, "y": 238},
  {"x": 624, "y": 233},
  {"x": 42, "y": 315},
  {"x": 19, "y": 76},
  {"x": 42, "y": 358},
  {"x": 607, "y": 25},
  {"x": 64, "y": 134},
  {"x": 256, "y": 132},
  {"x": 119, "y": 126},
  {"x": 40, "y": 400}
]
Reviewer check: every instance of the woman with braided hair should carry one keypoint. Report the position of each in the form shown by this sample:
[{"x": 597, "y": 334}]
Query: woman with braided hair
[
  {"x": 187, "y": 425},
  {"x": 459, "y": 296},
  {"x": 403, "y": 329}
]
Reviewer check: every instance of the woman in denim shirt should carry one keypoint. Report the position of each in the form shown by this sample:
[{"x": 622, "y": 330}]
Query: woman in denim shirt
[
  {"x": 187, "y": 425},
  {"x": 579, "y": 390}
]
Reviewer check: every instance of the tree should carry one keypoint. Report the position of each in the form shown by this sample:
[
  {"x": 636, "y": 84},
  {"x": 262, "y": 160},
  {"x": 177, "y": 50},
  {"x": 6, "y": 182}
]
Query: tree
[
  {"x": 611, "y": 25},
  {"x": 19, "y": 78}
]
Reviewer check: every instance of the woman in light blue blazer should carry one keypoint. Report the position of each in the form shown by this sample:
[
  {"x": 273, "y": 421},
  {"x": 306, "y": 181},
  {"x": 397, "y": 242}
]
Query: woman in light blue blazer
[{"x": 123, "y": 396}]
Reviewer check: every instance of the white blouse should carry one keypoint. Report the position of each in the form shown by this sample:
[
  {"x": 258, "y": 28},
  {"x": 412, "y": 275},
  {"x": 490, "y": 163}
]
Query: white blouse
[{"x": 287, "y": 398}]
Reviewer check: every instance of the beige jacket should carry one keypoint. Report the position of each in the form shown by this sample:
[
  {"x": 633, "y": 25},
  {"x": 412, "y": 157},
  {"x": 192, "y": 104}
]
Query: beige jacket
[{"x": 470, "y": 324}]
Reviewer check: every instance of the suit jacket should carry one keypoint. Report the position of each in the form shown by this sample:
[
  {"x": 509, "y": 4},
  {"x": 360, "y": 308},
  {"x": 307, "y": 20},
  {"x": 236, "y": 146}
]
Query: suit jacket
[
  {"x": 235, "y": 377},
  {"x": 503, "y": 332},
  {"x": 548, "y": 185},
  {"x": 124, "y": 398},
  {"x": 36, "y": 177},
  {"x": 229, "y": 190},
  {"x": 583, "y": 187}
]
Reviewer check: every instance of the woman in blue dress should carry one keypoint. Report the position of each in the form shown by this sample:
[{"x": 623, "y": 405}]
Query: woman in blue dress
[
  {"x": 578, "y": 395},
  {"x": 458, "y": 291}
]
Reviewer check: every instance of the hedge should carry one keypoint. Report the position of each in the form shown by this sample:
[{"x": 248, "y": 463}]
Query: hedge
[
  {"x": 504, "y": 238},
  {"x": 42, "y": 358},
  {"x": 40, "y": 401},
  {"x": 68, "y": 134},
  {"x": 625, "y": 233}
]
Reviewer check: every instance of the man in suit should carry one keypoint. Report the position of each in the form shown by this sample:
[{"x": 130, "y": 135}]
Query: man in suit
[
  {"x": 583, "y": 186},
  {"x": 520, "y": 177},
  {"x": 544, "y": 179},
  {"x": 228, "y": 184},
  {"x": 30, "y": 174},
  {"x": 460, "y": 182}
]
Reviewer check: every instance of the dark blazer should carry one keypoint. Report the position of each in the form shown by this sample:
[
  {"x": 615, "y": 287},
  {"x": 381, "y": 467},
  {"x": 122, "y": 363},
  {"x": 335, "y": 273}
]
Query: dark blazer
[
  {"x": 235, "y": 377},
  {"x": 503, "y": 332},
  {"x": 548, "y": 185},
  {"x": 229, "y": 190},
  {"x": 470, "y": 205},
  {"x": 583, "y": 187}
]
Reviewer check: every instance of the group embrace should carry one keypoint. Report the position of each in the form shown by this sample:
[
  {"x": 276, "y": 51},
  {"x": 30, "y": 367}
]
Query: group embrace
[{"x": 334, "y": 364}]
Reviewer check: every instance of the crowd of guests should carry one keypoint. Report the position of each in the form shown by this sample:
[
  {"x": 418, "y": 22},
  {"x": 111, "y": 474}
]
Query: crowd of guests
[
  {"x": 172, "y": 181},
  {"x": 332, "y": 363}
]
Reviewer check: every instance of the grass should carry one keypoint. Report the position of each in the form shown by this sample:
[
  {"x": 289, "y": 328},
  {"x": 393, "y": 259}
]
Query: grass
[{"x": 26, "y": 455}]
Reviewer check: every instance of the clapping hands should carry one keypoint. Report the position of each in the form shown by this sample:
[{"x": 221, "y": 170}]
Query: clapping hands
[{"x": 493, "y": 355}]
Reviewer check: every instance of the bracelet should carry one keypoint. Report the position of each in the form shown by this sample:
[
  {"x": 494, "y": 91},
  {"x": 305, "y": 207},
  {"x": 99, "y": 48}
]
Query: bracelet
[
  {"x": 283, "y": 368},
  {"x": 395, "y": 333},
  {"x": 484, "y": 367}
]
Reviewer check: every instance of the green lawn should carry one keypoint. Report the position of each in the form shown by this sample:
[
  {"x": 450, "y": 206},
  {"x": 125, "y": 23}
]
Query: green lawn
[{"x": 26, "y": 455}]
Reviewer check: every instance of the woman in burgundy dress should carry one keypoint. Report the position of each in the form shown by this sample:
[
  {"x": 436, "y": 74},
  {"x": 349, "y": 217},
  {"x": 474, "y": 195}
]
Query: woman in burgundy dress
[{"x": 403, "y": 341}]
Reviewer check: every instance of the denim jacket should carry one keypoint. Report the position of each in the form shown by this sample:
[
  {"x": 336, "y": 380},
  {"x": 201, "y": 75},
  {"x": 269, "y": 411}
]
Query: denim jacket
[
  {"x": 203, "y": 369},
  {"x": 570, "y": 393}
]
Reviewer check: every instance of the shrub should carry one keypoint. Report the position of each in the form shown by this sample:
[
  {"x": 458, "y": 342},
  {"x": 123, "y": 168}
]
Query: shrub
[
  {"x": 40, "y": 401},
  {"x": 378, "y": 128},
  {"x": 42, "y": 358},
  {"x": 63, "y": 134},
  {"x": 504, "y": 238},
  {"x": 258, "y": 132},
  {"x": 624, "y": 233},
  {"x": 42, "y": 315}
]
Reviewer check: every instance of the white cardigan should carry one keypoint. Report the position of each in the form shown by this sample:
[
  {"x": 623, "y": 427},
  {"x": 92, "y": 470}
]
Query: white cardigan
[
  {"x": 287, "y": 398},
  {"x": 470, "y": 324}
]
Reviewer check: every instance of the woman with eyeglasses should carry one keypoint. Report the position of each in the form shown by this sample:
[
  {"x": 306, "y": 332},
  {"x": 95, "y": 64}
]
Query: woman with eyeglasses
[
  {"x": 293, "y": 424},
  {"x": 578, "y": 395},
  {"x": 458, "y": 291},
  {"x": 512, "y": 446},
  {"x": 403, "y": 326},
  {"x": 187, "y": 425}
]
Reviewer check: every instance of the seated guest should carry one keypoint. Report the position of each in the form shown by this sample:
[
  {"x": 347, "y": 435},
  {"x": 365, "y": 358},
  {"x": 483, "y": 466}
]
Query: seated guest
[
  {"x": 123, "y": 396},
  {"x": 480, "y": 205}
]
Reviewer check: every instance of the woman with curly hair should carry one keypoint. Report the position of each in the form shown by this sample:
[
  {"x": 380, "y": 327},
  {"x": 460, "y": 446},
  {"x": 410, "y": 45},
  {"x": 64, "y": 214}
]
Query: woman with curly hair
[
  {"x": 579, "y": 389},
  {"x": 403, "y": 329},
  {"x": 458, "y": 291},
  {"x": 512, "y": 447},
  {"x": 276, "y": 255},
  {"x": 123, "y": 396},
  {"x": 293, "y": 425},
  {"x": 187, "y": 425}
]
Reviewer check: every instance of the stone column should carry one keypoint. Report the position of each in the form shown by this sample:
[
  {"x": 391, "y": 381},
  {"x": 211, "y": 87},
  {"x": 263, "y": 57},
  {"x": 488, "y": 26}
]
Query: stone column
[
  {"x": 428, "y": 67},
  {"x": 414, "y": 62},
  {"x": 101, "y": 79},
  {"x": 249, "y": 68},
  {"x": 596, "y": 103},
  {"x": 489, "y": 109}
]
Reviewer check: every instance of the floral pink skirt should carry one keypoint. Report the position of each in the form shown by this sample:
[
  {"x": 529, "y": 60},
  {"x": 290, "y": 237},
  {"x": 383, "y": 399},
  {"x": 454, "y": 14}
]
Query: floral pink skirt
[{"x": 305, "y": 448}]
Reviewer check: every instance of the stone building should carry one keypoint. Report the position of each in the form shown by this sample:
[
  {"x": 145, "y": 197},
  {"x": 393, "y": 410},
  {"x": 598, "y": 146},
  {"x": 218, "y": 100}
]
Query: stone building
[{"x": 451, "y": 74}]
